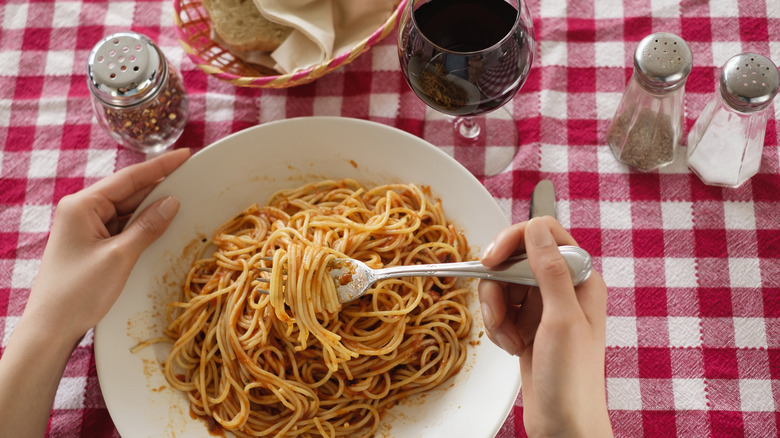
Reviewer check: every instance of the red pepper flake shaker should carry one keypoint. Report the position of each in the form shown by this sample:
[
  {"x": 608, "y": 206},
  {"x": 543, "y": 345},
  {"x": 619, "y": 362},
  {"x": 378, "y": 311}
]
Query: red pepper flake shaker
[{"x": 137, "y": 95}]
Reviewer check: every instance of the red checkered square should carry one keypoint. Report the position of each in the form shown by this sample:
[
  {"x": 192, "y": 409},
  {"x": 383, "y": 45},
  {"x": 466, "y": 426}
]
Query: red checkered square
[
  {"x": 760, "y": 423},
  {"x": 654, "y": 363},
  {"x": 682, "y": 302},
  {"x": 753, "y": 364},
  {"x": 694, "y": 424},
  {"x": 720, "y": 363},
  {"x": 710, "y": 243},
  {"x": 715, "y": 302},
  {"x": 678, "y": 243},
  {"x": 653, "y": 302},
  {"x": 660, "y": 423},
  {"x": 648, "y": 242},
  {"x": 725, "y": 424}
]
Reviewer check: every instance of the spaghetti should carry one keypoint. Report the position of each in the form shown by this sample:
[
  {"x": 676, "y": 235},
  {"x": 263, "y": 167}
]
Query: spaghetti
[{"x": 294, "y": 361}]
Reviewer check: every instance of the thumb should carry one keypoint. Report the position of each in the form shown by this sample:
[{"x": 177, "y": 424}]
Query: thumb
[
  {"x": 149, "y": 225},
  {"x": 549, "y": 268}
]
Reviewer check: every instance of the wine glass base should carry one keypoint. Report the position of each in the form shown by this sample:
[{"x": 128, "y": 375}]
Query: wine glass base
[{"x": 489, "y": 153}]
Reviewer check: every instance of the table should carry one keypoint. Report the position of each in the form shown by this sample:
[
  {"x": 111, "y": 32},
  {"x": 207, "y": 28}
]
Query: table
[{"x": 693, "y": 326}]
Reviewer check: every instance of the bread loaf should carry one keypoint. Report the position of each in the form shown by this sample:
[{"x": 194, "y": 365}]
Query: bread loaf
[{"x": 242, "y": 27}]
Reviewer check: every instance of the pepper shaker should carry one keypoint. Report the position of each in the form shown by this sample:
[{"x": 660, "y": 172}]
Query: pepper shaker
[
  {"x": 137, "y": 95},
  {"x": 648, "y": 124},
  {"x": 726, "y": 141}
]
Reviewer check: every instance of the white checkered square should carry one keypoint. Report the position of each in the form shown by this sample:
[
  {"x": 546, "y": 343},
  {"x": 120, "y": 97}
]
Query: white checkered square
[
  {"x": 739, "y": 215},
  {"x": 43, "y": 163},
  {"x": 555, "y": 158},
  {"x": 66, "y": 14},
  {"x": 610, "y": 54},
  {"x": 774, "y": 49},
  {"x": 70, "y": 393},
  {"x": 744, "y": 272},
  {"x": 15, "y": 16},
  {"x": 552, "y": 104},
  {"x": 756, "y": 395},
  {"x": 327, "y": 106},
  {"x": 750, "y": 333},
  {"x": 552, "y": 8},
  {"x": 665, "y": 8},
  {"x": 615, "y": 215},
  {"x": 607, "y": 9},
  {"x": 35, "y": 218},
  {"x": 384, "y": 57},
  {"x": 8, "y": 327},
  {"x": 623, "y": 394},
  {"x": 52, "y": 111},
  {"x": 553, "y": 53},
  {"x": 689, "y": 394},
  {"x": 9, "y": 62},
  {"x": 621, "y": 331},
  {"x": 563, "y": 210},
  {"x": 677, "y": 215},
  {"x": 383, "y": 105},
  {"x": 607, "y": 161},
  {"x": 60, "y": 62},
  {"x": 684, "y": 331},
  {"x": 618, "y": 271},
  {"x": 506, "y": 206},
  {"x": 272, "y": 107},
  {"x": 607, "y": 104},
  {"x": 726, "y": 8},
  {"x": 24, "y": 273},
  {"x": 680, "y": 272},
  {"x": 100, "y": 162},
  {"x": 219, "y": 107},
  {"x": 722, "y": 51},
  {"x": 120, "y": 14}
]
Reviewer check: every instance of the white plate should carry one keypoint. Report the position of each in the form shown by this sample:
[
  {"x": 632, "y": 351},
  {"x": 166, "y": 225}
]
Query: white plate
[{"x": 247, "y": 167}]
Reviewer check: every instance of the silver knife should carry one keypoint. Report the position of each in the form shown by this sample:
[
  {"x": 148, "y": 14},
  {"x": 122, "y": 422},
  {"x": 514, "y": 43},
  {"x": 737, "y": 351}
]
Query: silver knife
[{"x": 543, "y": 199}]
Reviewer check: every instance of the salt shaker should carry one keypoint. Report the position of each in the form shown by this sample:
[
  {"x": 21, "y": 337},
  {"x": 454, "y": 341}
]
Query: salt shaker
[
  {"x": 648, "y": 124},
  {"x": 726, "y": 142},
  {"x": 137, "y": 95}
]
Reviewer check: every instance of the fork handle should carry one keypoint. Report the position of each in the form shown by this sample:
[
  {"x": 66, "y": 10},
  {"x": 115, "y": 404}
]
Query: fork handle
[{"x": 515, "y": 269}]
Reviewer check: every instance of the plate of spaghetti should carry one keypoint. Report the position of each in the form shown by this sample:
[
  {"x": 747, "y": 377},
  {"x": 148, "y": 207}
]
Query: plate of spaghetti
[{"x": 230, "y": 324}]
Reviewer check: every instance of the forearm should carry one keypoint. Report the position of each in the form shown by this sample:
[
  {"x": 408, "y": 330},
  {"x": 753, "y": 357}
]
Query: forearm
[{"x": 30, "y": 371}]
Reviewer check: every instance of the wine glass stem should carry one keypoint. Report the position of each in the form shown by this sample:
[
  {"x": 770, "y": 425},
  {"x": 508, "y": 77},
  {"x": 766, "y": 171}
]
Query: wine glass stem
[{"x": 467, "y": 127}]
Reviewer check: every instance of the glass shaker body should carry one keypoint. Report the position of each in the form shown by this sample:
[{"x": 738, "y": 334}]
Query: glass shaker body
[
  {"x": 647, "y": 128},
  {"x": 137, "y": 95},
  {"x": 726, "y": 141}
]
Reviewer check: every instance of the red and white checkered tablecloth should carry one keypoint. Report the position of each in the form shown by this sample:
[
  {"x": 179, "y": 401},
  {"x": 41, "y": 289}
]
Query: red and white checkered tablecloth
[{"x": 693, "y": 326}]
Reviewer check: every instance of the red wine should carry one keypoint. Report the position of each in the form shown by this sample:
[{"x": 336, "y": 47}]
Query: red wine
[
  {"x": 465, "y": 25},
  {"x": 465, "y": 57}
]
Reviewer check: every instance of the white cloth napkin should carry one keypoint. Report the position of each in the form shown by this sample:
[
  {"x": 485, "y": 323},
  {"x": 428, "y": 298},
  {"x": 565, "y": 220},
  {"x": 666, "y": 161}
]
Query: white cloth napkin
[{"x": 322, "y": 28}]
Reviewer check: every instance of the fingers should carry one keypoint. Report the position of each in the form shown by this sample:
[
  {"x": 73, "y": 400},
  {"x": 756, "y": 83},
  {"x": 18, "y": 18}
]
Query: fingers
[
  {"x": 550, "y": 268},
  {"x": 500, "y": 305},
  {"x": 147, "y": 226},
  {"x": 124, "y": 183},
  {"x": 511, "y": 240},
  {"x": 592, "y": 295}
]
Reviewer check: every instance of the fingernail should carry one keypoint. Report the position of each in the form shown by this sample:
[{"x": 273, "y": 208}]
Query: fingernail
[
  {"x": 506, "y": 344},
  {"x": 488, "y": 316},
  {"x": 538, "y": 234},
  {"x": 488, "y": 250},
  {"x": 168, "y": 208}
]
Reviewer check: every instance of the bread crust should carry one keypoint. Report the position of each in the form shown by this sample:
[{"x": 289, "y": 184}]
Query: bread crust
[{"x": 240, "y": 25}]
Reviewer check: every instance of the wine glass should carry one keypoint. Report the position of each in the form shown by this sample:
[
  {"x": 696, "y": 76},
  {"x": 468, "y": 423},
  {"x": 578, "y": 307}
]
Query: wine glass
[{"x": 466, "y": 58}]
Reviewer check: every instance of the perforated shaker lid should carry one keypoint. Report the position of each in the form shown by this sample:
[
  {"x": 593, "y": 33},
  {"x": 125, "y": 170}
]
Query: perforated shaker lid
[
  {"x": 749, "y": 82},
  {"x": 662, "y": 61},
  {"x": 125, "y": 69}
]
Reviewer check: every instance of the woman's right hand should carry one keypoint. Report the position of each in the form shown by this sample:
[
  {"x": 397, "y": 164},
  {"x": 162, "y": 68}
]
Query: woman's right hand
[{"x": 557, "y": 330}]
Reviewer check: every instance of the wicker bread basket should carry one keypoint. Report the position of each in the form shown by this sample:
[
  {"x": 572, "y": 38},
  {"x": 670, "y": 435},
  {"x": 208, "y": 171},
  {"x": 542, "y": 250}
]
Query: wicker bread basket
[{"x": 193, "y": 29}]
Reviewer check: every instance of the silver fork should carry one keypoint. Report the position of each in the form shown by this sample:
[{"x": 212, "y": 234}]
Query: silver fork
[{"x": 353, "y": 277}]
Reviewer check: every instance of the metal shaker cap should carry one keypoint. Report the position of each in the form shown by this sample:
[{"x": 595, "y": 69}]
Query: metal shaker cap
[
  {"x": 749, "y": 82},
  {"x": 662, "y": 61},
  {"x": 125, "y": 69}
]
